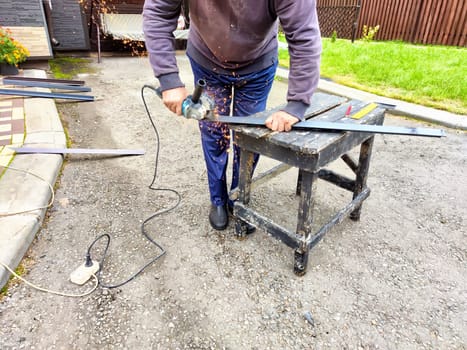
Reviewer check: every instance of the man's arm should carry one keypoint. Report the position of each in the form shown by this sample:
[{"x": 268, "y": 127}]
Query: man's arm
[
  {"x": 159, "y": 21},
  {"x": 299, "y": 21},
  {"x": 160, "y": 18}
]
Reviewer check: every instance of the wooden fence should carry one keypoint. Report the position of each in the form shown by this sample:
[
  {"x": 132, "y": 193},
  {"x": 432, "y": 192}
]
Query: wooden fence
[{"x": 442, "y": 22}]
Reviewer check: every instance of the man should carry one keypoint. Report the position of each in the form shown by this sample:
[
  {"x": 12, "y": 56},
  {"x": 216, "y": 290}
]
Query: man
[{"x": 232, "y": 45}]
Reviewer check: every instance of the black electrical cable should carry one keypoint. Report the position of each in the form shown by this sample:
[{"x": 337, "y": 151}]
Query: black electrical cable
[{"x": 143, "y": 229}]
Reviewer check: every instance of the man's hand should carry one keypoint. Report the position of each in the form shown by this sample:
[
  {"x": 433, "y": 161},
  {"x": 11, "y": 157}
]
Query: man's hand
[
  {"x": 173, "y": 99},
  {"x": 281, "y": 121}
]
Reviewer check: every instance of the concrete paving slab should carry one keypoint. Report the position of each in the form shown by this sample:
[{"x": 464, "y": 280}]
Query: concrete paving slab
[
  {"x": 45, "y": 138},
  {"x": 42, "y": 115},
  {"x": 27, "y": 185}
]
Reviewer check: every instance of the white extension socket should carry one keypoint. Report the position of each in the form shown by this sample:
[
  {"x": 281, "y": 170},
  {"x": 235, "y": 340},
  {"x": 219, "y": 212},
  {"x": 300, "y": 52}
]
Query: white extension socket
[{"x": 83, "y": 273}]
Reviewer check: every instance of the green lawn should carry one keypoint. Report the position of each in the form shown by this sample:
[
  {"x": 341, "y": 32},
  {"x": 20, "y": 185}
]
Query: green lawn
[{"x": 434, "y": 76}]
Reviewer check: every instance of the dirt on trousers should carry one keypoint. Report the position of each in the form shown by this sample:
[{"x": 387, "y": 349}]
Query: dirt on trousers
[{"x": 396, "y": 279}]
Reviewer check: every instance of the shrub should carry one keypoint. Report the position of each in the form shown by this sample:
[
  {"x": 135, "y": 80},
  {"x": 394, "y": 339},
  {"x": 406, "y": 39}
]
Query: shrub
[
  {"x": 11, "y": 51},
  {"x": 368, "y": 33},
  {"x": 334, "y": 36}
]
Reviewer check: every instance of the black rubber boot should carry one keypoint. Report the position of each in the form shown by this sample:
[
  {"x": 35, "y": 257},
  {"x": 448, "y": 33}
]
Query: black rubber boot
[{"x": 218, "y": 217}]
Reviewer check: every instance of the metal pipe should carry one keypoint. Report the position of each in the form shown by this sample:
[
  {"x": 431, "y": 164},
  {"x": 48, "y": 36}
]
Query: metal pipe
[
  {"x": 45, "y": 95},
  {"x": 46, "y": 85},
  {"x": 57, "y": 81}
]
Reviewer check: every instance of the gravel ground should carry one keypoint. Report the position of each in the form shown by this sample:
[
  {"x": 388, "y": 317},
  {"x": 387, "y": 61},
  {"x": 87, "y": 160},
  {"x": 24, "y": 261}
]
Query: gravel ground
[{"x": 394, "y": 280}]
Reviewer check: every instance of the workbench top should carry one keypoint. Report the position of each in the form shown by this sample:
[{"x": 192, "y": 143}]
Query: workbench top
[{"x": 323, "y": 107}]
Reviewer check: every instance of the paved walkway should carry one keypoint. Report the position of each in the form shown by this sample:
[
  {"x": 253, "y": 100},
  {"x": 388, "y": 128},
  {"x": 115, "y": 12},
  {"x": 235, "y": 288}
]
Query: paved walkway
[
  {"x": 25, "y": 186},
  {"x": 11, "y": 127}
]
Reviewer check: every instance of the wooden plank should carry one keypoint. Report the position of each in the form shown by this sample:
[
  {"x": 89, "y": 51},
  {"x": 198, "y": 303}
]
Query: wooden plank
[
  {"x": 337, "y": 179},
  {"x": 337, "y": 114},
  {"x": 427, "y": 19},
  {"x": 448, "y": 24},
  {"x": 320, "y": 102},
  {"x": 399, "y": 20},
  {"x": 295, "y": 141},
  {"x": 434, "y": 21},
  {"x": 438, "y": 29},
  {"x": 299, "y": 140},
  {"x": 289, "y": 238},
  {"x": 389, "y": 25},
  {"x": 463, "y": 28},
  {"x": 460, "y": 36},
  {"x": 416, "y": 19}
]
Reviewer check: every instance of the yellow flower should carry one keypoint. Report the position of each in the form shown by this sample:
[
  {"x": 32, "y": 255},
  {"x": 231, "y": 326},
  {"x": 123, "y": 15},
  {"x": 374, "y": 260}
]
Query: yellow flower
[{"x": 11, "y": 51}]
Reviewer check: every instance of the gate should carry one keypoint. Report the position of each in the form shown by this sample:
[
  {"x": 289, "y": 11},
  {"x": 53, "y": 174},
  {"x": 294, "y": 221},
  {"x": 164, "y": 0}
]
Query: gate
[{"x": 340, "y": 16}]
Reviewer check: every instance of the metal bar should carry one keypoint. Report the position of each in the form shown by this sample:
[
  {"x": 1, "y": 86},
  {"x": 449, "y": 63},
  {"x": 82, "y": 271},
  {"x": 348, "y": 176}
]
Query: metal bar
[
  {"x": 45, "y": 95},
  {"x": 338, "y": 217},
  {"x": 122, "y": 152},
  {"x": 58, "y": 81},
  {"x": 46, "y": 85},
  {"x": 336, "y": 126},
  {"x": 378, "y": 129},
  {"x": 291, "y": 239}
]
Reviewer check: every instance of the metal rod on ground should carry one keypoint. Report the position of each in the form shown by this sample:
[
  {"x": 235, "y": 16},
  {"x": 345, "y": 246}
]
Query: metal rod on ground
[
  {"x": 58, "y": 81},
  {"x": 46, "y": 85},
  {"x": 45, "y": 95},
  {"x": 43, "y": 150}
]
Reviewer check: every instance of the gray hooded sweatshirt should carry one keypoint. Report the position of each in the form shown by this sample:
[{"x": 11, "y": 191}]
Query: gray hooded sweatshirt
[{"x": 238, "y": 37}]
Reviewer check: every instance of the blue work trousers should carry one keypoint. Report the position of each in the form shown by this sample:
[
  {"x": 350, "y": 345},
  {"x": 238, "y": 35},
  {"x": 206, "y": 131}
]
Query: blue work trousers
[{"x": 243, "y": 94}]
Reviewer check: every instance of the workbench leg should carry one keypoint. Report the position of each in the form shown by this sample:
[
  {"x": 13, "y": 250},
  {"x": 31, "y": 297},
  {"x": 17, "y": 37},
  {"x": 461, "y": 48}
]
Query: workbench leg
[
  {"x": 299, "y": 182},
  {"x": 305, "y": 219},
  {"x": 244, "y": 186},
  {"x": 362, "y": 174}
]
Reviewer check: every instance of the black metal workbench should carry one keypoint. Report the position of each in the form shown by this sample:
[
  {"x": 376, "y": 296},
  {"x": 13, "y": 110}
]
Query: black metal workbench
[{"x": 310, "y": 152}]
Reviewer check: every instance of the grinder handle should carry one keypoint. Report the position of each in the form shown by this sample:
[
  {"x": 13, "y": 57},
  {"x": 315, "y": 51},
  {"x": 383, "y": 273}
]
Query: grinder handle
[{"x": 199, "y": 87}]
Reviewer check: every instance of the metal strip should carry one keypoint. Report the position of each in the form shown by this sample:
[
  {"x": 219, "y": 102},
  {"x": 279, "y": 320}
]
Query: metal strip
[
  {"x": 377, "y": 129},
  {"x": 45, "y": 94},
  {"x": 58, "y": 81},
  {"x": 46, "y": 85},
  {"x": 122, "y": 152},
  {"x": 336, "y": 126}
]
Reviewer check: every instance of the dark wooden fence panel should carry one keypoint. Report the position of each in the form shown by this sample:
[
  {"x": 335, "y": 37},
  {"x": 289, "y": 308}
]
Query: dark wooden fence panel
[{"x": 442, "y": 22}]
